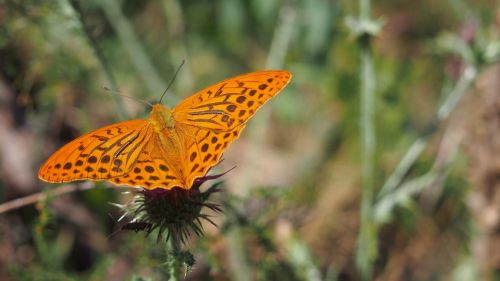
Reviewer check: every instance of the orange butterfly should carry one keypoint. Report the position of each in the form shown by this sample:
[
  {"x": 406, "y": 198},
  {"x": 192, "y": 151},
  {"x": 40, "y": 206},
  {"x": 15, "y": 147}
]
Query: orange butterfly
[{"x": 174, "y": 146}]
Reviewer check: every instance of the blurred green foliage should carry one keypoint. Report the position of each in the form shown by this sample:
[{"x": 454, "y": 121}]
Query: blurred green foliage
[{"x": 299, "y": 217}]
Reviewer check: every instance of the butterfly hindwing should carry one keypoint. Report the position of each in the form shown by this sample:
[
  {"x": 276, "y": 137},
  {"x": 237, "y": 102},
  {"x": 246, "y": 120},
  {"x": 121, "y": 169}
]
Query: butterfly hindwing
[
  {"x": 153, "y": 168},
  {"x": 203, "y": 148}
]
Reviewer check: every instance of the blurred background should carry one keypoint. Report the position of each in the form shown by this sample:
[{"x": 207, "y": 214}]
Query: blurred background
[{"x": 379, "y": 161}]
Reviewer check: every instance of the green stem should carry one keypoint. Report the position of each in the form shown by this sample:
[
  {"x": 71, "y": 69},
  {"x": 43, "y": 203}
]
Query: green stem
[
  {"x": 416, "y": 149},
  {"x": 364, "y": 9},
  {"x": 367, "y": 239},
  {"x": 281, "y": 38},
  {"x": 240, "y": 268},
  {"x": 108, "y": 74},
  {"x": 177, "y": 48},
  {"x": 173, "y": 262},
  {"x": 133, "y": 47},
  {"x": 256, "y": 130}
]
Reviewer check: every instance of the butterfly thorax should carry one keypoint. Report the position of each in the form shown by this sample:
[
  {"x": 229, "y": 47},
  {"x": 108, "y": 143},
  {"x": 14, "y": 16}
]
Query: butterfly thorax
[{"x": 161, "y": 118}]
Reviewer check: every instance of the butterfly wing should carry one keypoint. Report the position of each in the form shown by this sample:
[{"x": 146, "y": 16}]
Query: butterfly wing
[
  {"x": 155, "y": 167},
  {"x": 203, "y": 149},
  {"x": 230, "y": 103},
  {"x": 210, "y": 120},
  {"x": 103, "y": 154},
  {"x": 135, "y": 153}
]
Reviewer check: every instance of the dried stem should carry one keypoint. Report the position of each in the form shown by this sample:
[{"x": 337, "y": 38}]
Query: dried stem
[{"x": 34, "y": 198}]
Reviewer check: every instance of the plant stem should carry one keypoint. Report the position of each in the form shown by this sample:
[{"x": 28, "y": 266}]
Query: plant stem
[
  {"x": 174, "y": 265},
  {"x": 367, "y": 243},
  {"x": 177, "y": 47},
  {"x": 436, "y": 176},
  {"x": 281, "y": 38},
  {"x": 364, "y": 9},
  {"x": 132, "y": 45},
  {"x": 34, "y": 198},
  {"x": 416, "y": 149},
  {"x": 256, "y": 130},
  {"x": 240, "y": 269},
  {"x": 108, "y": 74}
]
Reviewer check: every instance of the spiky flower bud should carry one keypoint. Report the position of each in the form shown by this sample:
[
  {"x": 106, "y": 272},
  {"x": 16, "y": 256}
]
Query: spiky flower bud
[{"x": 175, "y": 213}]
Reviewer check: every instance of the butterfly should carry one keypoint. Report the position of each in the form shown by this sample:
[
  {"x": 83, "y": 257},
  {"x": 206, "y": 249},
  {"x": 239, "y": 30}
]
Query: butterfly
[{"x": 173, "y": 147}]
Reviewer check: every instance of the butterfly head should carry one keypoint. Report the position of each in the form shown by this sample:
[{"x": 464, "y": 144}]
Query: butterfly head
[{"x": 161, "y": 117}]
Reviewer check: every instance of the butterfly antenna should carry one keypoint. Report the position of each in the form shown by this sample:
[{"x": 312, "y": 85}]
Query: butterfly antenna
[
  {"x": 173, "y": 79},
  {"x": 125, "y": 96}
]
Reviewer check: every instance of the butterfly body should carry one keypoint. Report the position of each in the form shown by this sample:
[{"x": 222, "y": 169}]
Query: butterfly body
[{"x": 173, "y": 147}]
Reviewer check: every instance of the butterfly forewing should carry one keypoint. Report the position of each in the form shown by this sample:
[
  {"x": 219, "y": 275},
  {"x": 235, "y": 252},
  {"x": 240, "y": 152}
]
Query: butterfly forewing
[
  {"x": 210, "y": 120},
  {"x": 230, "y": 103},
  {"x": 102, "y": 154}
]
